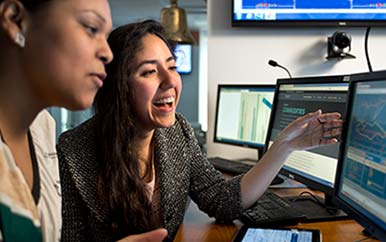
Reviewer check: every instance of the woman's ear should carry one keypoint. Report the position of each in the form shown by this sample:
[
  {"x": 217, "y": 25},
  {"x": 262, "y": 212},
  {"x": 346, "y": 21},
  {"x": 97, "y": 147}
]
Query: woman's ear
[{"x": 13, "y": 20}]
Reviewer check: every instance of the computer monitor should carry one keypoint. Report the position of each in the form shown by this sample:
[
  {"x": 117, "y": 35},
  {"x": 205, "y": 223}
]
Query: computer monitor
[
  {"x": 183, "y": 54},
  {"x": 316, "y": 168},
  {"x": 306, "y": 13},
  {"x": 242, "y": 115},
  {"x": 361, "y": 184}
]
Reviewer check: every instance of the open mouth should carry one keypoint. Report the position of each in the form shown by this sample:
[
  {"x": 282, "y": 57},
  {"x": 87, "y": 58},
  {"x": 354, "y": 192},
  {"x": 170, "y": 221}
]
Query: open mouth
[{"x": 164, "y": 102}]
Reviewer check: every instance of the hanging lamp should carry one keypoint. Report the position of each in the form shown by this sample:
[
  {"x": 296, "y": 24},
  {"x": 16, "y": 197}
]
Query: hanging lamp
[{"x": 173, "y": 19}]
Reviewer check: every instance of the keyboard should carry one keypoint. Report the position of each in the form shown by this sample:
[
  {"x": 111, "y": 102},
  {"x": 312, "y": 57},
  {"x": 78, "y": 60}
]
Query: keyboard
[
  {"x": 229, "y": 166},
  {"x": 271, "y": 210}
]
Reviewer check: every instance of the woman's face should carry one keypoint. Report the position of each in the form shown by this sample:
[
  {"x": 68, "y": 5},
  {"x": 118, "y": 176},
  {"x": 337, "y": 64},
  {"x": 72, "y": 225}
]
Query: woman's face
[
  {"x": 66, "y": 50},
  {"x": 156, "y": 85}
]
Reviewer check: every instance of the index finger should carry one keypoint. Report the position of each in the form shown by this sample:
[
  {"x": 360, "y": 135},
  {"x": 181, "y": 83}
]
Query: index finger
[
  {"x": 329, "y": 117},
  {"x": 299, "y": 122}
]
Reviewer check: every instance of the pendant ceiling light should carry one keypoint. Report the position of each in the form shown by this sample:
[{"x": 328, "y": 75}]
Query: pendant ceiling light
[{"x": 173, "y": 19}]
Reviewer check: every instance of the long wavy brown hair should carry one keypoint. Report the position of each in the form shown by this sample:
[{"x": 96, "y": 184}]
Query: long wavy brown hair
[{"x": 119, "y": 177}]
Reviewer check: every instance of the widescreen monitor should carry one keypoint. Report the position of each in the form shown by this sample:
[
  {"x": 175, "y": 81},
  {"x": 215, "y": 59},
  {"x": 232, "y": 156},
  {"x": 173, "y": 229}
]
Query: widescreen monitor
[
  {"x": 308, "y": 13},
  {"x": 242, "y": 115},
  {"x": 316, "y": 168},
  {"x": 361, "y": 185}
]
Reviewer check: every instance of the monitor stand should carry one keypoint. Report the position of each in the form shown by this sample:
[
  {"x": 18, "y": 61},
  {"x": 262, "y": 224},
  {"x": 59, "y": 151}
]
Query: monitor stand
[
  {"x": 317, "y": 209},
  {"x": 277, "y": 180},
  {"x": 367, "y": 233}
]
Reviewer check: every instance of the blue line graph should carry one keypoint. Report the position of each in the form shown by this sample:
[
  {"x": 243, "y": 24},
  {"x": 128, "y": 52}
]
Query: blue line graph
[{"x": 367, "y": 137}]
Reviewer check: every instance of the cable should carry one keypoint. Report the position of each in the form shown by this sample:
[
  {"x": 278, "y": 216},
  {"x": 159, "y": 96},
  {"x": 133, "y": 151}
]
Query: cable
[
  {"x": 310, "y": 196},
  {"x": 366, "y": 49},
  {"x": 313, "y": 198}
]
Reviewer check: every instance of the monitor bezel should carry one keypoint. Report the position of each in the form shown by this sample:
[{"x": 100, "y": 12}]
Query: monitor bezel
[
  {"x": 219, "y": 86},
  {"x": 328, "y": 191},
  {"x": 304, "y": 23},
  {"x": 354, "y": 213}
]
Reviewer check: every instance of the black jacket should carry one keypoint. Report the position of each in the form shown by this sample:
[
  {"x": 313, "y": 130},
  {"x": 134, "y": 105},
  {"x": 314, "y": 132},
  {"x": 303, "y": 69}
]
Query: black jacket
[{"x": 183, "y": 172}]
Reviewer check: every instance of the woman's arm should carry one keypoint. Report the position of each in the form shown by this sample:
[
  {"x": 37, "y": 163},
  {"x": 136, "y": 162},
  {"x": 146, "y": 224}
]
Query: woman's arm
[{"x": 309, "y": 131}]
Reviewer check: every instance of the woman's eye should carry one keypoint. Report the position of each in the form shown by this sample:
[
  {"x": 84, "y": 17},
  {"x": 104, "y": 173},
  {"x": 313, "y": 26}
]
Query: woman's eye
[
  {"x": 149, "y": 72},
  {"x": 173, "y": 68},
  {"x": 91, "y": 30}
]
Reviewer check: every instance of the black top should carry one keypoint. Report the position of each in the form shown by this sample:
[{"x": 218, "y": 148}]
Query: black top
[
  {"x": 35, "y": 170},
  {"x": 182, "y": 171},
  {"x": 35, "y": 167}
]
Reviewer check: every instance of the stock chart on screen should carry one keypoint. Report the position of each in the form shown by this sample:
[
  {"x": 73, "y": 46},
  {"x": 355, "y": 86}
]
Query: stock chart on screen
[{"x": 367, "y": 167}]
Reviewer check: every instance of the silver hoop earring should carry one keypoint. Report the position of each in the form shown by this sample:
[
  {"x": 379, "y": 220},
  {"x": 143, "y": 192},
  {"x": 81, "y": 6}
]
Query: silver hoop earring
[{"x": 20, "y": 39}]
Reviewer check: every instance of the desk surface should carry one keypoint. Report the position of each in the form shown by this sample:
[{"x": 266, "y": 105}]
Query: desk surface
[{"x": 197, "y": 226}]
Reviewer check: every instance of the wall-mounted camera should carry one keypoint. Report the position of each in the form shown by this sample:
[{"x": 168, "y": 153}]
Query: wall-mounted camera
[{"x": 338, "y": 45}]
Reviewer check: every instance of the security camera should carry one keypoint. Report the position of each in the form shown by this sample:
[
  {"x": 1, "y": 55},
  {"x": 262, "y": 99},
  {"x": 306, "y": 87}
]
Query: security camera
[
  {"x": 338, "y": 45},
  {"x": 341, "y": 40}
]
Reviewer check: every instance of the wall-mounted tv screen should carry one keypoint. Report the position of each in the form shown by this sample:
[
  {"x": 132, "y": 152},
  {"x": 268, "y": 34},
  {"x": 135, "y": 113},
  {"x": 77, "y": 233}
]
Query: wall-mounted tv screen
[{"x": 354, "y": 13}]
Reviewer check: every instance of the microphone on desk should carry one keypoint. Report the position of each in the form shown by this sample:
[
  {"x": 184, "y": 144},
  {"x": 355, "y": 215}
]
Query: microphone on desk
[{"x": 275, "y": 64}]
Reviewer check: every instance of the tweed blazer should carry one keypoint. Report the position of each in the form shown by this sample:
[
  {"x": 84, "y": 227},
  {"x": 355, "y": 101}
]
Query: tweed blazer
[{"x": 183, "y": 172}]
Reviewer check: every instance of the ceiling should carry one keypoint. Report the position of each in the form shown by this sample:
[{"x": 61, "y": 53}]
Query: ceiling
[{"x": 125, "y": 11}]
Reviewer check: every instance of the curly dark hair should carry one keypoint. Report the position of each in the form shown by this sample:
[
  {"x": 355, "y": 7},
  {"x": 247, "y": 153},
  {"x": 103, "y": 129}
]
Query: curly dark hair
[{"x": 119, "y": 178}]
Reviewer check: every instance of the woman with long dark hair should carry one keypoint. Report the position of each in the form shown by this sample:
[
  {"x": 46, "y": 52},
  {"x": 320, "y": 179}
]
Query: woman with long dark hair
[
  {"x": 132, "y": 167},
  {"x": 53, "y": 53}
]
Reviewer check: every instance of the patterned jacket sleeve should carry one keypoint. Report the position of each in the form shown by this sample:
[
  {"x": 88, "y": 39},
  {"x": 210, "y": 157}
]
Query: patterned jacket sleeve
[
  {"x": 73, "y": 208},
  {"x": 213, "y": 194}
]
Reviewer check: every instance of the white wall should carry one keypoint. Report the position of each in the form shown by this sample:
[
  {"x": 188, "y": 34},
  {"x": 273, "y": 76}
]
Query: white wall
[{"x": 240, "y": 55}]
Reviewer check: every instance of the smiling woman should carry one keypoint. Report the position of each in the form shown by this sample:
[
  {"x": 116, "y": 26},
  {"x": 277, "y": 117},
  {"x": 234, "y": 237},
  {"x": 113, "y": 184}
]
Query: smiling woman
[
  {"x": 141, "y": 159},
  {"x": 156, "y": 86},
  {"x": 140, "y": 95}
]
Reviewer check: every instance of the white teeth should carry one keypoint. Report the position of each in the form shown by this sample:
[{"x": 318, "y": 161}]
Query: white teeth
[{"x": 165, "y": 100}]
